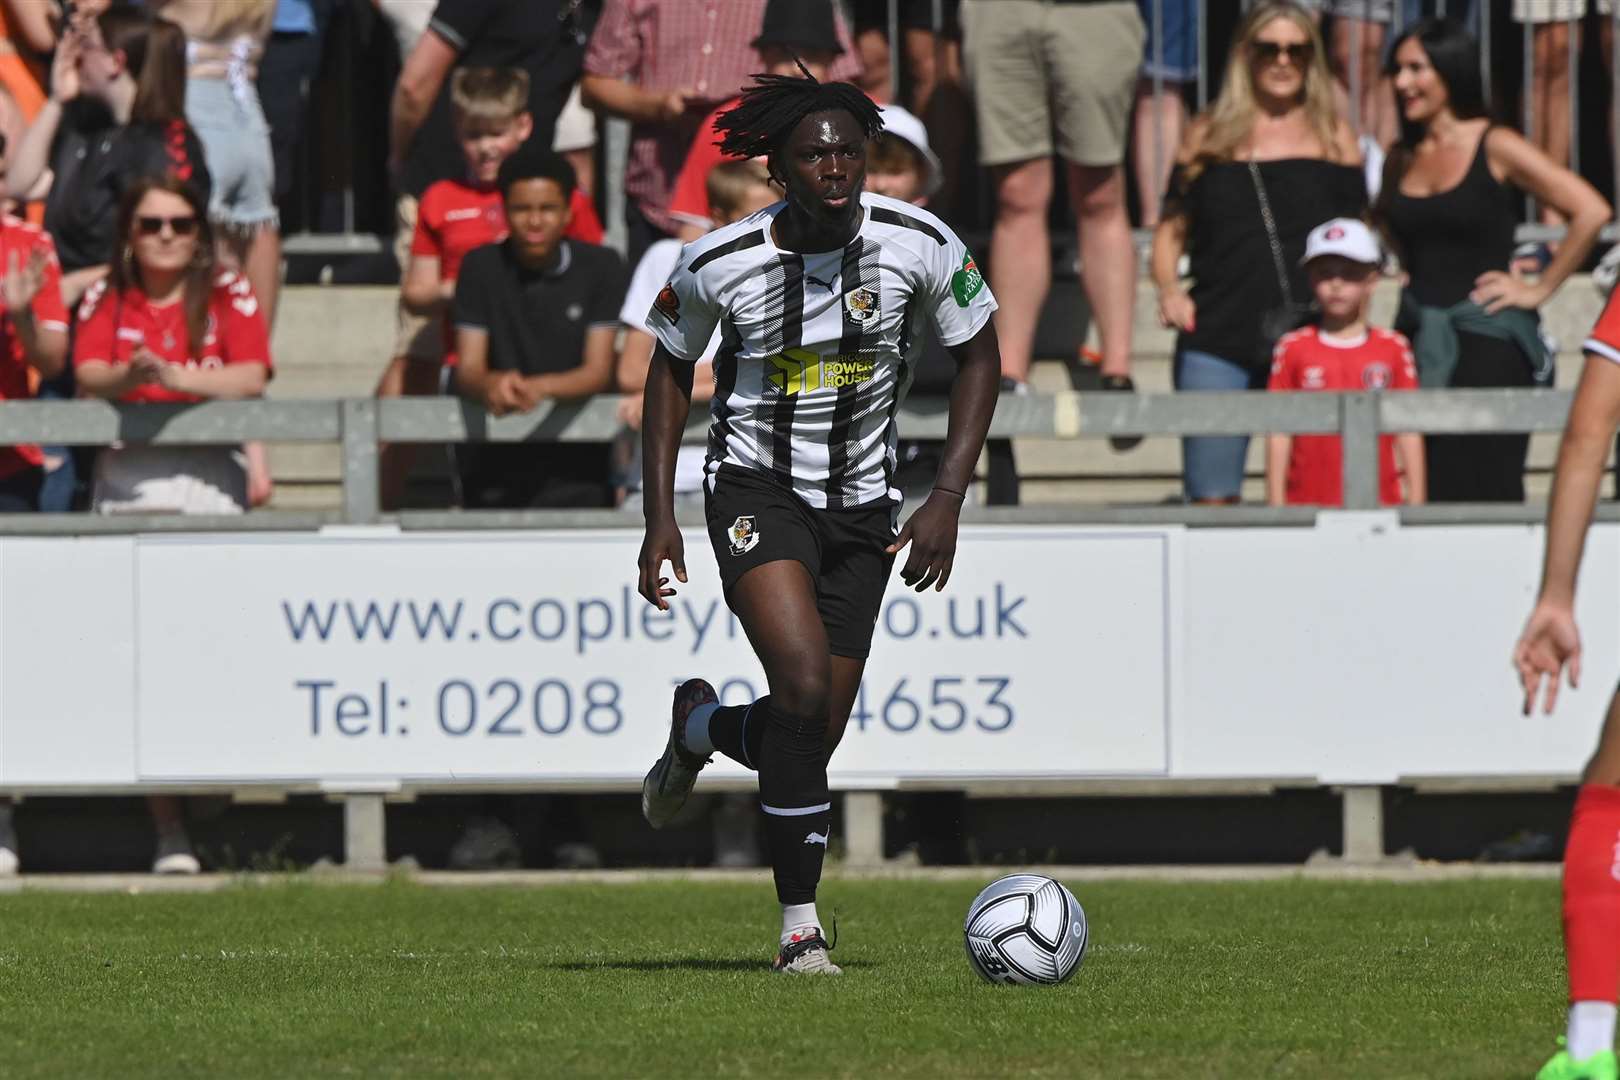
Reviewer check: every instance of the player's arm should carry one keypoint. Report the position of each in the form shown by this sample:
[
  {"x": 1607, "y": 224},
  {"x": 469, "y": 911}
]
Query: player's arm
[
  {"x": 1411, "y": 457},
  {"x": 931, "y": 531},
  {"x": 1551, "y": 642},
  {"x": 667, "y": 401},
  {"x": 1278, "y": 448}
]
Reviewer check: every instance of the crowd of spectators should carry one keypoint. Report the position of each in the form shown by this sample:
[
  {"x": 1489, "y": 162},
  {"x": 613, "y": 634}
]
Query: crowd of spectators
[{"x": 149, "y": 148}]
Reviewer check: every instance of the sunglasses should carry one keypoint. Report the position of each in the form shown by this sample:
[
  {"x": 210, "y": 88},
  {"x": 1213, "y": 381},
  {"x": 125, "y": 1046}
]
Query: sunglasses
[
  {"x": 1270, "y": 52},
  {"x": 181, "y": 226}
]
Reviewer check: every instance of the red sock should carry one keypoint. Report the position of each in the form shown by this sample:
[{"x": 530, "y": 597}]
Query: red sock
[{"x": 1592, "y": 895}]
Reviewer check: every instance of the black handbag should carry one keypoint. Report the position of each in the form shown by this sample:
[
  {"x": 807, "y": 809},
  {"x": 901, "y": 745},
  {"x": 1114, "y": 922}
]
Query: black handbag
[{"x": 1290, "y": 315}]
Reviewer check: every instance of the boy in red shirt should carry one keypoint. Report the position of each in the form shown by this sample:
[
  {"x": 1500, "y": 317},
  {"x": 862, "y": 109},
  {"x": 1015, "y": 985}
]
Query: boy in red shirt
[{"x": 1341, "y": 353}]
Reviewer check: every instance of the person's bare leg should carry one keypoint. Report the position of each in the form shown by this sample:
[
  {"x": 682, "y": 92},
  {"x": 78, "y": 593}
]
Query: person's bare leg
[
  {"x": 584, "y": 162},
  {"x": 1554, "y": 77},
  {"x": 1159, "y": 121},
  {"x": 261, "y": 265},
  {"x": 846, "y": 683},
  {"x": 1021, "y": 259},
  {"x": 1107, "y": 260}
]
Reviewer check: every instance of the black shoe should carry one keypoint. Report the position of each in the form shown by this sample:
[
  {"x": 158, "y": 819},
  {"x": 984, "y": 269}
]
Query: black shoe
[{"x": 1121, "y": 384}]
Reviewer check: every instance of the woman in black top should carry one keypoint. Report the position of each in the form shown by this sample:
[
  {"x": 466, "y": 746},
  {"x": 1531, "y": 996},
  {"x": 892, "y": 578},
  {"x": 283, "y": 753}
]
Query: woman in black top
[
  {"x": 1449, "y": 205},
  {"x": 1273, "y": 129}
]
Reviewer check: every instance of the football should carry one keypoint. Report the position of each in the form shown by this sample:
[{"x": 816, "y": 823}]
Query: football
[{"x": 1025, "y": 929}]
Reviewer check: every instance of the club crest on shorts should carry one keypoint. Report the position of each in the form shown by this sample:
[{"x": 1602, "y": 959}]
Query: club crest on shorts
[
  {"x": 668, "y": 304},
  {"x": 744, "y": 535},
  {"x": 862, "y": 304}
]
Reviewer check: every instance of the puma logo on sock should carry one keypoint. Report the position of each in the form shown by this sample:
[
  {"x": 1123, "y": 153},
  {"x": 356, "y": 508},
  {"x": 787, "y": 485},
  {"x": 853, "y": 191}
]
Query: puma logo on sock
[{"x": 816, "y": 838}]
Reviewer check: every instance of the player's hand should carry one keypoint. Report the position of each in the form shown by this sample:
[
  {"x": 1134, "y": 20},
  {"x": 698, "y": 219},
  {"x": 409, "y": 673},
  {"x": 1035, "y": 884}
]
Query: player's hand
[
  {"x": 931, "y": 532},
  {"x": 1551, "y": 642},
  {"x": 1177, "y": 310},
  {"x": 662, "y": 542},
  {"x": 1495, "y": 291}
]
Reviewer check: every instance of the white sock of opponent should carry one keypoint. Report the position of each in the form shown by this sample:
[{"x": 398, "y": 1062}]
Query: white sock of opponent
[
  {"x": 1591, "y": 1028},
  {"x": 798, "y": 917},
  {"x": 697, "y": 730}
]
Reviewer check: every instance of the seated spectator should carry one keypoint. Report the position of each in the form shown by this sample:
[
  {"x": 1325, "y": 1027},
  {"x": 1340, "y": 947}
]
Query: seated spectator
[
  {"x": 116, "y": 113},
  {"x": 1342, "y": 353},
  {"x": 1273, "y": 132},
  {"x": 491, "y": 111},
  {"x": 794, "y": 32},
  {"x": 664, "y": 65},
  {"x": 167, "y": 325},
  {"x": 33, "y": 335},
  {"x": 736, "y": 190},
  {"x": 536, "y": 317}
]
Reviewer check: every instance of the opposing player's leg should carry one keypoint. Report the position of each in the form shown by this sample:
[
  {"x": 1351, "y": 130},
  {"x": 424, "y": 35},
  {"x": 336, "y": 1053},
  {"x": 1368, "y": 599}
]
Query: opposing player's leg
[
  {"x": 1592, "y": 916},
  {"x": 776, "y": 604}
]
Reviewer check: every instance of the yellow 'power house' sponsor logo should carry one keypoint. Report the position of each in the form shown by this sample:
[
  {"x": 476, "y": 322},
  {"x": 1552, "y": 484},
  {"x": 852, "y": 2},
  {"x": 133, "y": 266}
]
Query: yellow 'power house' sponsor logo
[{"x": 800, "y": 370}]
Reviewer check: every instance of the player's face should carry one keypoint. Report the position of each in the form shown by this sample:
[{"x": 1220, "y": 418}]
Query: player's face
[
  {"x": 487, "y": 143},
  {"x": 1418, "y": 87},
  {"x": 1341, "y": 285},
  {"x": 163, "y": 234},
  {"x": 1278, "y": 54},
  {"x": 537, "y": 215},
  {"x": 824, "y": 167}
]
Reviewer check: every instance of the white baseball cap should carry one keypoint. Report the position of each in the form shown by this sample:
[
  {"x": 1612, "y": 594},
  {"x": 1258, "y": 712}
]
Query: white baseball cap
[
  {"x": 1345, "y": 237},
  {"x": 902, "y": 124}
]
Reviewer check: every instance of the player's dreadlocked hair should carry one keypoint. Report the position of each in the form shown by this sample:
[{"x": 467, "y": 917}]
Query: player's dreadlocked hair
[{"x": 771, "y": 108}]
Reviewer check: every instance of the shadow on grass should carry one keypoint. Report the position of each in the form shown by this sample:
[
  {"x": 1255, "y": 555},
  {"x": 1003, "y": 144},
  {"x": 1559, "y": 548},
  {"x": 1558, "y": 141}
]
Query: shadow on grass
[{"x": 689, "y": 963}]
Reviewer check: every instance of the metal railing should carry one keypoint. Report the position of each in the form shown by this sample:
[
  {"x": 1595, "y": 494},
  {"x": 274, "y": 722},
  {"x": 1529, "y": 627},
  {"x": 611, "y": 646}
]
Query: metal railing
[{"x": 359, "y": 426}]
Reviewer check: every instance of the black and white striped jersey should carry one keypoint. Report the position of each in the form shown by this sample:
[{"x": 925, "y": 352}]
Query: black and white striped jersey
[{"x": 817, "y": 350}]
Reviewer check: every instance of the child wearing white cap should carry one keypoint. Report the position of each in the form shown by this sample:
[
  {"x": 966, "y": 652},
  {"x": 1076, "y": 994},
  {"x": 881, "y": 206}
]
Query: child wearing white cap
[{"x": 1341, "y": 352}]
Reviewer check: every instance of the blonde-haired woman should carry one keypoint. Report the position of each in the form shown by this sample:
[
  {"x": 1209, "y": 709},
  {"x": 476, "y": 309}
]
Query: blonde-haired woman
[{"x": 1266, "y": 163}]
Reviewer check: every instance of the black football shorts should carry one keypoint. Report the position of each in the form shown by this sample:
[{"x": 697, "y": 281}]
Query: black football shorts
[{"x": 754, "y": 520}]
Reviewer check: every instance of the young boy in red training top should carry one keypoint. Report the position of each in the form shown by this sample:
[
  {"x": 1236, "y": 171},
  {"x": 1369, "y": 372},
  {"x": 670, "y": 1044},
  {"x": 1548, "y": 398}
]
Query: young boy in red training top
[
  {"x": 1342, "y": 353},
  {"x": 490, "y": 110}
]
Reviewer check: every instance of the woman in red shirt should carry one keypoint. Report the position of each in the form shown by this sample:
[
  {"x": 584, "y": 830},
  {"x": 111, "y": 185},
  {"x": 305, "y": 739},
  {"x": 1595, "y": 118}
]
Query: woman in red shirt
[{"x": 169, "y": 326}]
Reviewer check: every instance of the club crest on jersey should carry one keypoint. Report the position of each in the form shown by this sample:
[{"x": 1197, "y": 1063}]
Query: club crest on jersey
[
  {"x": 1376, "y": 376},
  {"x": 862, "y": 305},
  {"x": 744, "y": 535},
  {"x": 668, "y": 304}
]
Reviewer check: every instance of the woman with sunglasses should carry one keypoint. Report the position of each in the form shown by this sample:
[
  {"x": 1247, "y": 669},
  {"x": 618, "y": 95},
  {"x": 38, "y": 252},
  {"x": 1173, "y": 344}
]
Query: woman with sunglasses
[
  {"x": 1450, "y": 202},
  {"x": 1268, "y": 162},
  {"x": 168, "y": 326}
]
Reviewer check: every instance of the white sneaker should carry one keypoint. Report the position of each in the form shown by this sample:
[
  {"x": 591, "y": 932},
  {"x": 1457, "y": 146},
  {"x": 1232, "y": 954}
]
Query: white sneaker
[
  {"x": 8, "y": 859},
  {"x": 174, "y": 856},
  {"x": 1607, "y": 271},
  {"x": 806, "y": 954},
  {"x": 670, "y": 780}
]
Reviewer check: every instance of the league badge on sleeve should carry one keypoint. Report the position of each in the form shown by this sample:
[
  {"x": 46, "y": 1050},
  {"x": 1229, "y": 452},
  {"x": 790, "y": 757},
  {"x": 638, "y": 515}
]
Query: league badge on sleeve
[
  {"x": 668, "y": 304},
  {"x": 744, "y": 535},
  {"x": 862, "y": 305},
  {"x": 966, "y": 282}
]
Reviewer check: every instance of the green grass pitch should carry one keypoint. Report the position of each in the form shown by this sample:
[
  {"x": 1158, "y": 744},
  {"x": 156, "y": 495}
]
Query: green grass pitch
[{"x": 1280, "y": 979}]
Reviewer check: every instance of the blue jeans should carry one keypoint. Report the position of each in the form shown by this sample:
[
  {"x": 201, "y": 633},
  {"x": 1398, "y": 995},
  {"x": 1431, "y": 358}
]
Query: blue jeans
[
  {"x": 1212, "y": 465},
  {"x": 56, "y": 494}
]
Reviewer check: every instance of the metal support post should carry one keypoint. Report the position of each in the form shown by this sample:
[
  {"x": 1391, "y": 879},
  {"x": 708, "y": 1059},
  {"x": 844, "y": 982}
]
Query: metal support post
[
  {"x": 863, "y": 822},
  {"x": 1358, "y": 423},
  {"x": 362, "y": 504},
  {"x": 1363, "y": 824},
  {"x": 365, "y": 836}
]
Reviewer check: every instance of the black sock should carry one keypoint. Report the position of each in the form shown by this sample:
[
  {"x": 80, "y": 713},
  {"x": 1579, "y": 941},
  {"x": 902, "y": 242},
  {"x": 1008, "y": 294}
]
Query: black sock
[
  {"x": 737, "y": 734},
  {"x": 793, "y": 794}
]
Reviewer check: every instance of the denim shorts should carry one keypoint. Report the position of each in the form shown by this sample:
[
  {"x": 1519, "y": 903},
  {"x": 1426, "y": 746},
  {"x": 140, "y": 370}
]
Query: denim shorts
[
  {"x": 1179, "y": 62},
  {"x": 230, "y": 122}
]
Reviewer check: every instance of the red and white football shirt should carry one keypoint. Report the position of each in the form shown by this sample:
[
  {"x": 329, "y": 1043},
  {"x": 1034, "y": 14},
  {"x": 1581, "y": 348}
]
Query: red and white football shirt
[
  {"x": 1605, "y": 336},
  {"x": 455, "y": 217},
  {"x": 1307, "y": 360},
  {"x": 19, "y": 239},
  {"x": 113, "y": 325}
]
